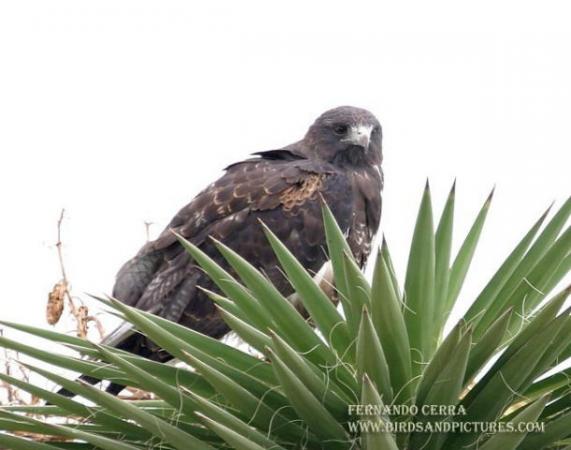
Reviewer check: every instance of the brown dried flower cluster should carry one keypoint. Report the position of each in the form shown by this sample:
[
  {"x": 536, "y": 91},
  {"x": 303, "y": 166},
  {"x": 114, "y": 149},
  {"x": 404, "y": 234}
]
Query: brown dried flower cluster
[{"x": 54, "y": 307}]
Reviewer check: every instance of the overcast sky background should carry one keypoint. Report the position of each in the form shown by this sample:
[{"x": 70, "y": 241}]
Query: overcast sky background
[{"x": 121, "y": 111}]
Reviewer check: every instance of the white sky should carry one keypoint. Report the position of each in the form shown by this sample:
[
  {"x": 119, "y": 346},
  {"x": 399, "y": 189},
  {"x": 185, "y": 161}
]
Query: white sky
[{"x": 121, "y": 111}]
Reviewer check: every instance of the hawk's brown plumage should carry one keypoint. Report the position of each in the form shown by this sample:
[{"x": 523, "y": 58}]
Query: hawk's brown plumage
[{"x": 339, "y": 159}]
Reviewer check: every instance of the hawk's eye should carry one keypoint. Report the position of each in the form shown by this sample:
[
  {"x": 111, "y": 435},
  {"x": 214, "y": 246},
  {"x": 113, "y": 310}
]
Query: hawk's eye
[{"x": 340, "y": 129}]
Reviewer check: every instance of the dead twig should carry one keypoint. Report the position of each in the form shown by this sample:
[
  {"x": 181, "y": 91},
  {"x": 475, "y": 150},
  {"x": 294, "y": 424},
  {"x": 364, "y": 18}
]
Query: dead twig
[
  {"x": 98, "y": 325},
  {"x": 13, "y": 394},
  {"x": 62, "y": 290},
  {"x": 10, "y": 391},
  {"x": 64, "y": 281}
]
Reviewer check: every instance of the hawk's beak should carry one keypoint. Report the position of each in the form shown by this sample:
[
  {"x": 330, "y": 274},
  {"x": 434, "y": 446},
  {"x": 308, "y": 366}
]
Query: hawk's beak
[{"x": 360, "y": 136}]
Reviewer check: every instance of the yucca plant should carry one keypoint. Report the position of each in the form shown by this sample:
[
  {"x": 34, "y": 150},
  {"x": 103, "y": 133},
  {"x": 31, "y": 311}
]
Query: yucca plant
[{"x": 377, "y": 360}]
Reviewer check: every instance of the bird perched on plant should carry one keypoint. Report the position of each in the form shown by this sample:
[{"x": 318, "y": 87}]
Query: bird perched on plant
[{"x": 339, "y": 160}]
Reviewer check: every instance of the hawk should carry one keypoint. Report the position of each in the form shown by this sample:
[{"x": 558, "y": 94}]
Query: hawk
[{"x": 339, "y": 160}]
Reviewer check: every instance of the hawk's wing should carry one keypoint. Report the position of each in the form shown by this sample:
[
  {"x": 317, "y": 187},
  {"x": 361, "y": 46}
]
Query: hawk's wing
[
  {"x": 253, "y": 185},
  {"x": 284, "y": 193}
]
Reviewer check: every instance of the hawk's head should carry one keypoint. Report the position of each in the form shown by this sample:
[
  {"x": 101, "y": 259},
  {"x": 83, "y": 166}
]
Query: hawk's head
[{"x": 345, "y": 136}]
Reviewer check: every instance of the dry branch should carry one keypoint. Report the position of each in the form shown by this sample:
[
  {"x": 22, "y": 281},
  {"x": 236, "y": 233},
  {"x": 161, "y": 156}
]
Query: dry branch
[{"x": 62, "y": 291}]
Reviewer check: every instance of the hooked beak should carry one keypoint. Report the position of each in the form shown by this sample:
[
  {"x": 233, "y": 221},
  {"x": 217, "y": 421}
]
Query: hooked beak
[{"x": 360, "y": 135}]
